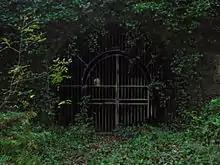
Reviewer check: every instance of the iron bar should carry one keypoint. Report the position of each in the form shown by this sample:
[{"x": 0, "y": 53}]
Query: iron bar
[
  {"x": 119, "y": 99},
  {"x": 148, "y": 105},
  {"x": 99, "y": 118},
  {"x": 104, "y": 86},
  {"x": 117, "y": 92},
  {"x": 106, "y": 103},
  {"x": 105, "y": 119}
]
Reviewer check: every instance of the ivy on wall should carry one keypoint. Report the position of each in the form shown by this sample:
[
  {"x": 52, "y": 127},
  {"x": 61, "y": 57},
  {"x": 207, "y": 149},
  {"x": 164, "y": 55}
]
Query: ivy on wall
[{"x": 178, "y": 25}]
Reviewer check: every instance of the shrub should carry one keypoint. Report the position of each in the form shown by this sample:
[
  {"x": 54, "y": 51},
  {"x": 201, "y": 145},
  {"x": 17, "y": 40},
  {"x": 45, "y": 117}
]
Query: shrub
[
  {"x": 18, "y": 142},
  {"x": 210, "y": 121}
]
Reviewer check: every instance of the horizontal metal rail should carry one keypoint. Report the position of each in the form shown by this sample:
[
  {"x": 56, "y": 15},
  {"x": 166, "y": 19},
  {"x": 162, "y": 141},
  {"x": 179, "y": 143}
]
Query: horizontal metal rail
[
  {"x": 106, "y": 86},
  {"x": 119, "y": 99},
  {"x": 113, "y": 103}
]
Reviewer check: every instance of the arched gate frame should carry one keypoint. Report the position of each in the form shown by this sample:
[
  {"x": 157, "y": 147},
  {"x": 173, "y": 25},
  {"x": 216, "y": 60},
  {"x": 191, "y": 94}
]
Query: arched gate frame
[{"x": 118, "y": 90}]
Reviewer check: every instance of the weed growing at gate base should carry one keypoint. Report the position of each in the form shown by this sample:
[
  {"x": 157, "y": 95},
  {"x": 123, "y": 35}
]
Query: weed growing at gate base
[
  {"x": 150, "y": 145},
  {"x": 157, "y": 147},
  {"x": 24, "y": 144}
]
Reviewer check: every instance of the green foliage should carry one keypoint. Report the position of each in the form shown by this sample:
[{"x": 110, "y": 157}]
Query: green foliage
[
  {"x": 17, "y": 140},
  {"x": 212, "y": 108},
  {"x": 198, "y": 144},
  {"x": 210, "y": 121},
  {"x": 175, "y": 14},
  {"x": 156, "y": 146},
  {"x": 59, "y": 71},
  {"x": 28, "y": 90},
  {"x": 42, "y": 28},
  {"x": 204, "y": 123},
  {"x": 24, "y": 143},
  {"x": 131, "y": 145},
  {"x": 126, "y": 132},
  {"x": 64, "y": 147},
  {"x": 176, "y": 24},
  {"x": 83, "y": 123},
  {"x": 25, "y": 36},
  {"x": 8, "y": 119}
]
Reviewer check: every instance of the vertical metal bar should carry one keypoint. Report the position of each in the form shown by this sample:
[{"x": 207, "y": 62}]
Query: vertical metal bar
[
  {"x": 113, "y": 116},
  {"x": 124, "y": 82},
  {"x": 128, "y": 83},
  {"x": 112, "y": 75},
  {"x": 125, "y": 114},
  {"x": 104, "y": 92},
  {"x": 95, "y": 118},
  {"x": 128, "y": 114},
  {"x": 107, "y": 92},
  {"x": 112, "y": 82},
  {"x": 151, "y": 110},
  {"x": 99, "y": 118},
  {"x": 138, "y": 114},
  {"x": 144, "y": 95},
  {"x": 109, "y": 119},
  {"x": 141, "y": 94},
  {"x": 105, "y": 119},
  {"x": 117, "y": 92},
  {"x": 111, "y": 40},
  {"x": 142, "y": 107},
  {"x": 98, "y": 93},
  {"x": 132, "y": 108},
  {"x": 155, "y": 112},
  {"x": 120, "y": 40},
  {"x": 137, "y": 93},
  {"x": 102, "y": 118},
  {"x": 148, "y": 105},
  {"x": 121, "y": 77},
  {"x": 120, "y": 112},
  {"x": 105, "y": 40},
  {"x": 135, "y": 115},
  {"x": 120, "y": 81},
  {"x": 107, "y": 79}
]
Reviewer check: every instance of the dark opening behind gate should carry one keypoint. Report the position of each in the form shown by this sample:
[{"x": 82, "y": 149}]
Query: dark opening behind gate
[{"x": 117, "y": 82}]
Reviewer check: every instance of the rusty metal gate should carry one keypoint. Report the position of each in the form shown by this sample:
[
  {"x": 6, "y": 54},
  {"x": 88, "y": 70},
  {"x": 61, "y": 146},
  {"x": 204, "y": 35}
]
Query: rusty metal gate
[
  {"x": 118, "y": 80},
  {"x": 118, "y": 90}
]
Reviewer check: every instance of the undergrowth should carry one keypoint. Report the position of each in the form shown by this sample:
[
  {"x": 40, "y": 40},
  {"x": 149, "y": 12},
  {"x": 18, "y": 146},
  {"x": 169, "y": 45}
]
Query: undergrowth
[{"x": 25, "y": 143}]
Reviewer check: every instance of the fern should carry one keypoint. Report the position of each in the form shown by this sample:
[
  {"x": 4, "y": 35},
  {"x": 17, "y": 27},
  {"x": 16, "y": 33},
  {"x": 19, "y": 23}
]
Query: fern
[
  {"x": 17, "y": 140},
  {"x": 8, "y": 119}
]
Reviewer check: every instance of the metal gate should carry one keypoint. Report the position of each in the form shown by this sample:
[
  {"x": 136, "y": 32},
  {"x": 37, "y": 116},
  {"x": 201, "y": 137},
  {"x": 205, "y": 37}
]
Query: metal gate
[
  {"x": 117, "y": 81},
  {"x": 118, "y": 90}
]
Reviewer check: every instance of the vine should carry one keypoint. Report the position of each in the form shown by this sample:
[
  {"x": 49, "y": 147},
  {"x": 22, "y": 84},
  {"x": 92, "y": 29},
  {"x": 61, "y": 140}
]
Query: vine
[{"x": 178, "y": 25}]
